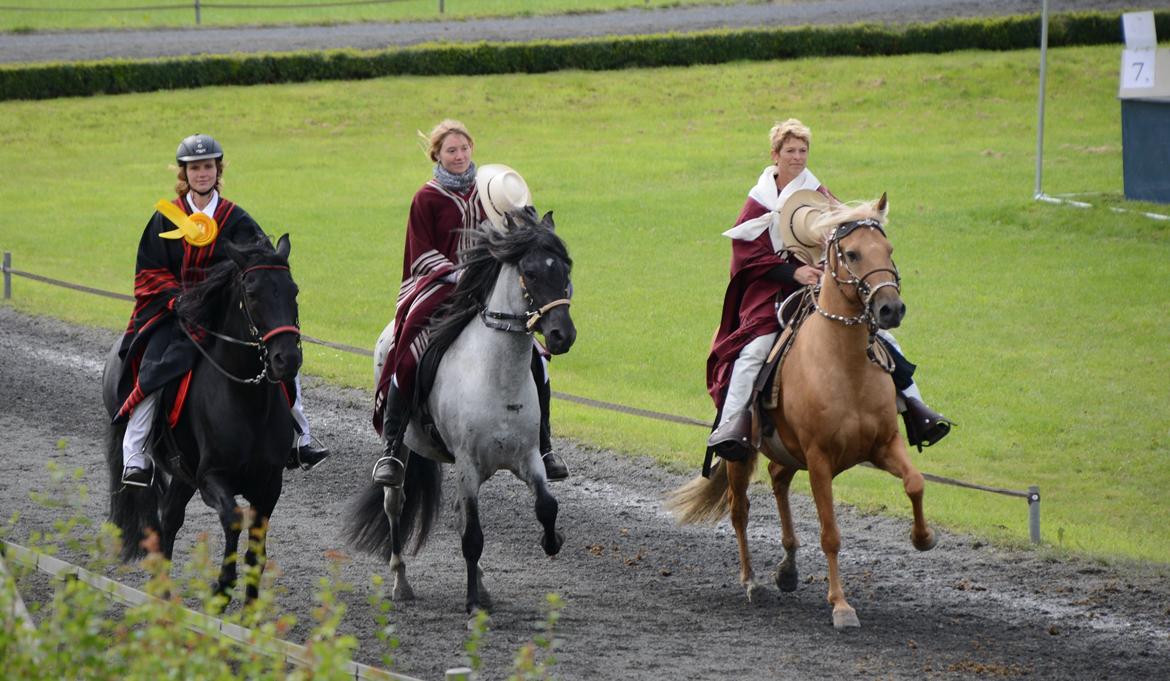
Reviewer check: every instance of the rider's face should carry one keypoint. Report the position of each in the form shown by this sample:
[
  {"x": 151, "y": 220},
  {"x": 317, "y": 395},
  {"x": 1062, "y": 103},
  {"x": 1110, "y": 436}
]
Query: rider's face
[
  {"x": 792, "y": 156},
  {"x": 455, "y": 153},
  {"x": 201, "y": 175}
]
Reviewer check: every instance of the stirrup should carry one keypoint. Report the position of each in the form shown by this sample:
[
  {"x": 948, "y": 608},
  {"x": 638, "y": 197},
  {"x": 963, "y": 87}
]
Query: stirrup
[
  {"x": 396, "y": 478},
  {"x": 127, "y": 480},
  {"x": 554, "y": 474},
  {"x": 733, "y": 439}
]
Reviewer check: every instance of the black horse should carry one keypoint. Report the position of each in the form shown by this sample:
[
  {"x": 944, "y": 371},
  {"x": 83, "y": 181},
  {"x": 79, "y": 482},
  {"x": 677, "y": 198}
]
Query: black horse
[{"x": 235, "y": 430}]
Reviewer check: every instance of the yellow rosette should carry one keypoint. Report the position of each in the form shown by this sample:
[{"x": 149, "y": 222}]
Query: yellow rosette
[{"x": 198, "y": 229}]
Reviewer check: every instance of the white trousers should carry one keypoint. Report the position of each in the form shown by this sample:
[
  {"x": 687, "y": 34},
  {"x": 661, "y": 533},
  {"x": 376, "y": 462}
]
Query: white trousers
[
  {"x": 743, "y": 375},
  {"x": 138, "y": 428}
]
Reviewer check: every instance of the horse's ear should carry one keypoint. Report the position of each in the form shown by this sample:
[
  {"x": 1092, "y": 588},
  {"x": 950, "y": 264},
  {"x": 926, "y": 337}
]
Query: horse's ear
[
  {"x": 883, "y": 206},
  {"x": 547, "y": 221},
  {"x": 283, "y": 246}
]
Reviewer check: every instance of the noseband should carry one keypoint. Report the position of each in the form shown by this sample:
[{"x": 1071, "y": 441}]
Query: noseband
[
  {"x": 503, "y": 321},
  {"x": 259, "y": 340},
  {"x": 865, "y": 292}
]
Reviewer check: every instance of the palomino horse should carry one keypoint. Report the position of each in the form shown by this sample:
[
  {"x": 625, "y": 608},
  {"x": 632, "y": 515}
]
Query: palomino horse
[
  {"x": 836, "y": 408},
  {"x": 483, "y": 401},
  {"x": 236, "y": 430}
]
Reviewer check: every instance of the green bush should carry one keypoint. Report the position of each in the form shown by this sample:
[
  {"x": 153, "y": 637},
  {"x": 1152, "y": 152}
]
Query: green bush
[{"x": 712, "y": 47}]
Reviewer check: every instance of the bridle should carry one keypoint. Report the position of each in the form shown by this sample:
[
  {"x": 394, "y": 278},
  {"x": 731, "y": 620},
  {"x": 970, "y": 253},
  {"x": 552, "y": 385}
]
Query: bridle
[
  {"x": 865, "y": 292},
  {"x": 259, "y": 340},
  {"x": 506, "y": 321}
]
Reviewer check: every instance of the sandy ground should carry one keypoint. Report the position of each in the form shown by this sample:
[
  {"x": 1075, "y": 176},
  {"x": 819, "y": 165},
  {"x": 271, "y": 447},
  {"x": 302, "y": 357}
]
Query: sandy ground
[
  {"x": 142, "y": 44},
  {"x": 643, "y": 597}
]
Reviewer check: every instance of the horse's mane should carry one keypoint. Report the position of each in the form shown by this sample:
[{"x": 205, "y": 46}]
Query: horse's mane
[
  {"x": 848, "y": 212},
  {"x": 487, "y": 251},
  {"x": 200, "y": 303}
]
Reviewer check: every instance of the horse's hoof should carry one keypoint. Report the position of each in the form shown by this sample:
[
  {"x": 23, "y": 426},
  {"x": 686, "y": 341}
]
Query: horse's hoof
[
  {"x": 786, "y": 580},
  {"x": 554, "y": 547},
  {"x": 472, "y": 622},
  {"x": 750, "y": 590},
  {"x": 924, "y": 544},
  {"x": 402, "y": 591},
  {"x": 845, "y": 618}
]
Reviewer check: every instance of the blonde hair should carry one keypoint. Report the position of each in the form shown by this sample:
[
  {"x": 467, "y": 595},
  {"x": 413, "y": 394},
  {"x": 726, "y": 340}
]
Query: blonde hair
[
  {"x": 789, "y": 128},
  {"x": 447, "y": 126}
]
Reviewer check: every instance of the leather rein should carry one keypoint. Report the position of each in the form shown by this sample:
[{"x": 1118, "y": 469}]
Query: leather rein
[{"x": 259, "y": 340}]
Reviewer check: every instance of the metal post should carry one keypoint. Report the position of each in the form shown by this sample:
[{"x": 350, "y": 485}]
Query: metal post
[
  {"x": 7, "y": 275},
  {"x": 197, "y": 17},
  {"x": 459, "y": 674},
  {"x": 1034, "y": 513},
  {"x": 1040, "y": 107}
]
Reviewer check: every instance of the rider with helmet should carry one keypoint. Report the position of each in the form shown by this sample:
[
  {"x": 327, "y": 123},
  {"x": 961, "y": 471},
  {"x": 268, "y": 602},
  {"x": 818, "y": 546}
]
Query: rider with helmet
[{"x": 154, "y": 350}]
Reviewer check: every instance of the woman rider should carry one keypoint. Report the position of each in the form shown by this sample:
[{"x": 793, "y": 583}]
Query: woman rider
[
  {"x": 442, "y": 214},
  {"x": 760, "y": 278},
  {"x": 158, "y": 352}
]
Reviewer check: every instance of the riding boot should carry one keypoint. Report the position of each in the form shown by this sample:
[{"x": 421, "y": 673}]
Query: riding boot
[
  {"x": 554, "y": 468},
  {"x": 733, "y": 439},
  {"x": 390, "y": 470},
  {"x": 304, "y": 454},
  {"x": 924, "y": 426}
]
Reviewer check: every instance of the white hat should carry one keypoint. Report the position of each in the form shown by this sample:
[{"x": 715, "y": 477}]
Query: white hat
[
  {"x": 501, "y": 190},
  {"x": 798, "y": 217}
]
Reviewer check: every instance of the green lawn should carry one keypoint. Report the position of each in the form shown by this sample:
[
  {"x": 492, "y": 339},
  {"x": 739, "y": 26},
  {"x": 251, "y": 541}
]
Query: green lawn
[
  {"x": 1041, "y": 329},
  {"x": 52, "y": 15}
]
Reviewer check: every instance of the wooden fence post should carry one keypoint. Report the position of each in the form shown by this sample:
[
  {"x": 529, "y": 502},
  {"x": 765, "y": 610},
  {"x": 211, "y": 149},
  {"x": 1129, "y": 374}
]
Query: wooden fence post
[{"x": 7, "y": 275}]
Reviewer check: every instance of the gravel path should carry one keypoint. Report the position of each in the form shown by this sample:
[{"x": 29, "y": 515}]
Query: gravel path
[
  {"x": 643, "y": 597},
  {"x": 141, "y": 44}
]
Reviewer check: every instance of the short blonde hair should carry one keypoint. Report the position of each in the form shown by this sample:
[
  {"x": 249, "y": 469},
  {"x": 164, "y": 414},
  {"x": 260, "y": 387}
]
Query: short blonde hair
[
  {"x": 789, "y": 128},
  {"x": 448, "y": 126}
]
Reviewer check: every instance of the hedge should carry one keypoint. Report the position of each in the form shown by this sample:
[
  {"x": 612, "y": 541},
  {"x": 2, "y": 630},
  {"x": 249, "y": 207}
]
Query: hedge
[{"x": 43, "y": 81}]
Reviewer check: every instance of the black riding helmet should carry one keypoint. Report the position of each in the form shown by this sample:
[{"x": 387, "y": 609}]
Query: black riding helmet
[{"x": 198, "y": 147}]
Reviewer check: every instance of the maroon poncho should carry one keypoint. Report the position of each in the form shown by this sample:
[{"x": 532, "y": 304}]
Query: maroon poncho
[{"x": 434, "y": 236}]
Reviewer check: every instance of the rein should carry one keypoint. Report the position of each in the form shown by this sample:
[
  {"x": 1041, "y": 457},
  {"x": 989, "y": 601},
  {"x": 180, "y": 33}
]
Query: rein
[{"x": 259, "y": 340}]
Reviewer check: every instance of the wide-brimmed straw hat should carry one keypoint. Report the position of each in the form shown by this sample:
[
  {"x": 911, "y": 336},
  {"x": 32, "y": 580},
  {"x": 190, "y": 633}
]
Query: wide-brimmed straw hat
[
  {"x": 501, "y": 190},
  {"x": 798, "y": 215}
]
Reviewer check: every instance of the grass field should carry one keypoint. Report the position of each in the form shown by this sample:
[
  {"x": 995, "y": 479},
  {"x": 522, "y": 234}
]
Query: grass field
[
  {"x": 54, "y": 15},
  {"x": 1041, "y": 329}
]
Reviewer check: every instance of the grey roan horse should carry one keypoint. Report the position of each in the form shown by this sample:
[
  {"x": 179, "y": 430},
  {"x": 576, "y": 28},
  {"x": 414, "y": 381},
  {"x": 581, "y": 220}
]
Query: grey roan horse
[
  {"x": 483, "y": 400},
  {"x": 236, "y": 430}
]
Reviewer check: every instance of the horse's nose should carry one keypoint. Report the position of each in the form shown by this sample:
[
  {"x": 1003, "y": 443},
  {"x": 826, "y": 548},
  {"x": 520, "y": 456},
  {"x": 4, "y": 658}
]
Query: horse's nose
[
  {"x": 560, "y": 339},
  {"x": 284, "y": 364},
  {"x": 890, "y": 313}
]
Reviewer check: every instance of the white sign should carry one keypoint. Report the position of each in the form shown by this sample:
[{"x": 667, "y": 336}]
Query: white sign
[
  {"x": 1139, "y": 30},
  {"x": 1137, "y": 69},
  {"x": 1141, "y": 44}
]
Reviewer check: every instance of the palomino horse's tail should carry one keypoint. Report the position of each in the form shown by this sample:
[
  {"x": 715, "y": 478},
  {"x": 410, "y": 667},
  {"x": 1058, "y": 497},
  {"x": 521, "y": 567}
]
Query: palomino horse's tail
[
  {"x": 368, "y": 528},
  {"x": 703, "y": 500},
  {"x": 133, "y": 510}
]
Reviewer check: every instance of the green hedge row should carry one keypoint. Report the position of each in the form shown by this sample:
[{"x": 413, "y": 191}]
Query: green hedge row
[{"x": 44, "y": 81}]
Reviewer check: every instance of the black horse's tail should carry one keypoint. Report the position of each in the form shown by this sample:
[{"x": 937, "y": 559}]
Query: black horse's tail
[
  {"x": 134, "y": 510},
  {"x": 368, "y": 528}
]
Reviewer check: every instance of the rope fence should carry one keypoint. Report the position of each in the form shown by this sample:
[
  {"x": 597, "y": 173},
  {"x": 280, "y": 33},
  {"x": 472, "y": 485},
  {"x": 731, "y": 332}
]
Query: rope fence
[
  {"x": 198, "y": 6},
  {"x": 1032, "y": 495}
]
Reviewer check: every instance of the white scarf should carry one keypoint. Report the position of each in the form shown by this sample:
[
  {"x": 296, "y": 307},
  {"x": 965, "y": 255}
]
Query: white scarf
[{"x": 766, "y": 194}]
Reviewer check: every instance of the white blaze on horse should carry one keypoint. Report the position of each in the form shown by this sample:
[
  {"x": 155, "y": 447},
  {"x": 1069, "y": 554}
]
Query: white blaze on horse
[
  {"x": 836, "y": 407},
  {"x": 483, "y": 399}
]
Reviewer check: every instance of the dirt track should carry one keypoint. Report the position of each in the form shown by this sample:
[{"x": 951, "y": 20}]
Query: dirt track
[
  {"x": 643, "y": 597},
  {"x": 144, "y": 44}
]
